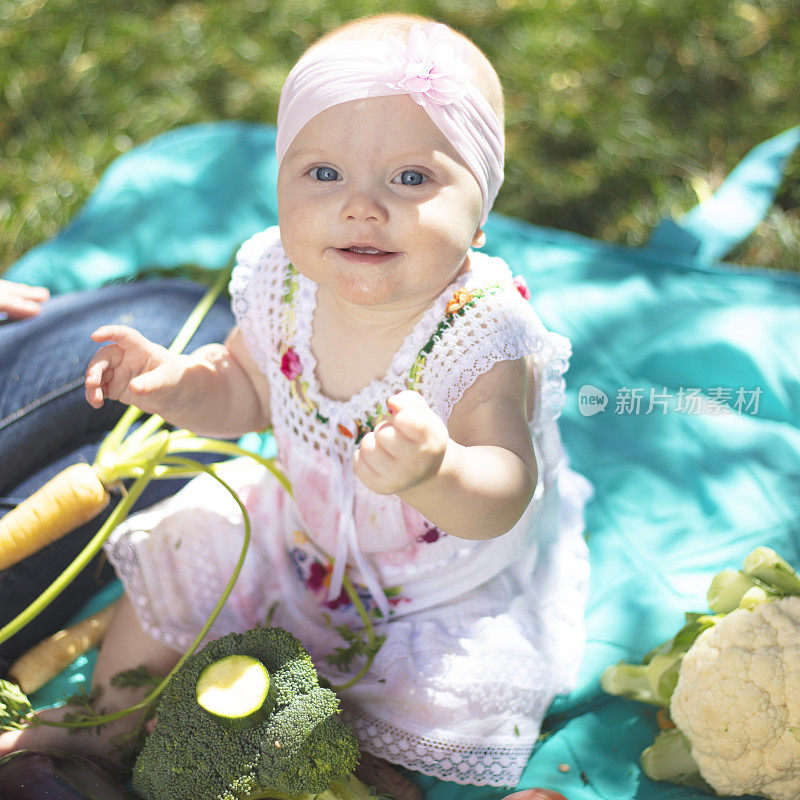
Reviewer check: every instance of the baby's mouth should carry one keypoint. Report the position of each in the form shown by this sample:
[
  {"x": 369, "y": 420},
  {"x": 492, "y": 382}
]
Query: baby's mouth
[
  {"x": 365, "y": 254},
  {"x": 366, "y": 251}
]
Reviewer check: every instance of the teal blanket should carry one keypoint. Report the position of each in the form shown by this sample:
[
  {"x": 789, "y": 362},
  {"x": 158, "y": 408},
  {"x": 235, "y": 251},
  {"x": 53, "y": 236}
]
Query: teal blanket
[{"x": 683, "y": 401}]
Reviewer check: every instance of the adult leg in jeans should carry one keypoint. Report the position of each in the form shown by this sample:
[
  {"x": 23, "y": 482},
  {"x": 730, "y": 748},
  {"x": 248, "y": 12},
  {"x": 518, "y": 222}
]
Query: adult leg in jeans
[{"x": 46, "y": 424}]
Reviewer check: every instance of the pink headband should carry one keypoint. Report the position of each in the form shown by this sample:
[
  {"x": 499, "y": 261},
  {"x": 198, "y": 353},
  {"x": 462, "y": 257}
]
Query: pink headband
[{"x": 432, "y": 67}]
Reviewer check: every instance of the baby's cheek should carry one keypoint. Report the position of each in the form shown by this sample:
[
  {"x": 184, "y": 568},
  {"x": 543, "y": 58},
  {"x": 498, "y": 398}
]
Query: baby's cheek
[
  {"x": 451, "y": 228},
  {"x": 465, "y": 202}
]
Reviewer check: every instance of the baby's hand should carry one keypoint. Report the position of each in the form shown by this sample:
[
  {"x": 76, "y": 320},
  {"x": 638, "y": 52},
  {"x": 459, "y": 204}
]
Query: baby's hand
[
  {"x": 405, "y": 449},
  {"x": 133, "y": 370}
]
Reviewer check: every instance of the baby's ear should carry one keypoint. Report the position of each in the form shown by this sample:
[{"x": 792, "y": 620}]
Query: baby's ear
[{"x": 479, "y": 240}]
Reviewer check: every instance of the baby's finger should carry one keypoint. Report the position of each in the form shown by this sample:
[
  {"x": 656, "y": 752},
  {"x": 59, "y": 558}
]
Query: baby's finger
[
  {"x": 406, "y": 399},
  {"x": 125, "y": 337},
  {"x": 151, "y": 382},
  {"x": 93, "y": 381},
  {"x": 412, "y": 416},
  {"x": 361, "y": 466},
  {"x": 95, "y": 378},
  {"x": 115, "y": 384},
  {"x": 109, "y": 356},
  {"x": 98, "y": 388},
  {"x": 105, "y": 333},
  {"x": 416, "y": 424},
  {"x": 392, "y": 440},
  {"x": 372, "y": 466},
  {"x": 94, "y": 396},
  {"x": 117, "y": 372},
  {"x": 101, "y": 363},
  {"x": 378, "y": 458}
]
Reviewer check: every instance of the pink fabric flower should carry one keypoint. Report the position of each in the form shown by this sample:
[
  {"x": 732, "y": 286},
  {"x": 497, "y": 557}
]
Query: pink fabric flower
[
  {"x": 522, "y": 287},
  {"x": 290, "y": 364},
  {"x": 430, "y": 66}
]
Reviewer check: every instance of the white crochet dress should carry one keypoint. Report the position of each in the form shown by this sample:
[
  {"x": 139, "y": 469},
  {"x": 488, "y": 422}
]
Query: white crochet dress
[{"x": 480, "y": 636}]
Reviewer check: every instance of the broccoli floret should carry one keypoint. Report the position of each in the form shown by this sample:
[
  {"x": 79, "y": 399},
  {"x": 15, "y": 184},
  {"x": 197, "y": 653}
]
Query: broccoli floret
[{"x": 301, "y": 749}]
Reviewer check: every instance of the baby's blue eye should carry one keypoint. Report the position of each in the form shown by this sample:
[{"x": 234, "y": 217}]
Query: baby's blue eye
[
  {"x": 410, "y": 177},
  {"x": 324, "y": 174}
]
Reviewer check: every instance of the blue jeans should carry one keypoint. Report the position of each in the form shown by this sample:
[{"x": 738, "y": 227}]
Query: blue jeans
[{"x": 46, "y": 424}]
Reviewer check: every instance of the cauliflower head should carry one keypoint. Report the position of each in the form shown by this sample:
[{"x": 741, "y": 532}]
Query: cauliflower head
[{"x": 737, "y": 701}]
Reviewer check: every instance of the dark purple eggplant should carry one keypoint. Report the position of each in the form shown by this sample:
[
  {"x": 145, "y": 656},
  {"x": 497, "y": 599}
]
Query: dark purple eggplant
[{"x": 56, "y": 775}]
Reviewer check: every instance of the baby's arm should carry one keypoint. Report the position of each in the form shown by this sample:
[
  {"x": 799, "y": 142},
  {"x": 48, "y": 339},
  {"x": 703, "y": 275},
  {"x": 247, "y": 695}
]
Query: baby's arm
[
  {"x": 215, "y": 391},
  {"x": 473, "y": 480}
]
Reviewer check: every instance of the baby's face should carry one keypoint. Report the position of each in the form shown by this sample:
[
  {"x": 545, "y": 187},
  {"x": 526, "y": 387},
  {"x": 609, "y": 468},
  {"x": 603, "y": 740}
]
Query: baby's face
[{"x": 377, "y": 174}]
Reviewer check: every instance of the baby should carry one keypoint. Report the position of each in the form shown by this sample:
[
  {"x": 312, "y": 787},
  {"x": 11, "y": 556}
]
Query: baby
[{"x": 413, "y": 396}]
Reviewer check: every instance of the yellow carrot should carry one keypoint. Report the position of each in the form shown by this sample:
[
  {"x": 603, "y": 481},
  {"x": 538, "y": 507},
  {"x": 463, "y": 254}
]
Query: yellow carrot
[
  {"x": 74, "y": 496},
  {"x": 44, "y": 661}
]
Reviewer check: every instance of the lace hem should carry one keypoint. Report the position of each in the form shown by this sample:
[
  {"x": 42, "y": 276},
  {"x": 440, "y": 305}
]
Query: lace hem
[{"x": 459, "y": 760}]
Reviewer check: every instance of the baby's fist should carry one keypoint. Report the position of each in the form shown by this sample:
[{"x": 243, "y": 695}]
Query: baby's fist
[{"x": 405, "y": 449}]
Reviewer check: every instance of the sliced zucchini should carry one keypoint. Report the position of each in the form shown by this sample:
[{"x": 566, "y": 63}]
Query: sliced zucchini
[{"x": 236, "y": 690}]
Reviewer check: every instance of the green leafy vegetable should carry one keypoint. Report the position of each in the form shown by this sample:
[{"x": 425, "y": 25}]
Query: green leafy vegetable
[{"x": 15, "y": 708}]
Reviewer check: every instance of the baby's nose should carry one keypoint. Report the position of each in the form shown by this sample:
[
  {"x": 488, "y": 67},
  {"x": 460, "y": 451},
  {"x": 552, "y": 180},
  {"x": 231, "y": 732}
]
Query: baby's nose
[{"x": 363, "y": 205}]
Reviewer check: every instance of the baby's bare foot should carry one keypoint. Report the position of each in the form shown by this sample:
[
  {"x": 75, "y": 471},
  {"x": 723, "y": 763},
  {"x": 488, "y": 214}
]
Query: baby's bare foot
[{"x": 93, "y": 743}]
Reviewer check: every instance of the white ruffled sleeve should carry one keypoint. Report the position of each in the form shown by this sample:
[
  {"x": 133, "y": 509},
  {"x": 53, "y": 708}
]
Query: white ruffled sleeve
[
  {"x": 551, "y": 362},
  {"x": 499, "y": 326},
  {"x": 256, "y": 288}
]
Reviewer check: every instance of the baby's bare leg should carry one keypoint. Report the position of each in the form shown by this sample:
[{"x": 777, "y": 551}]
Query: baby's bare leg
[{"x": 125, "y": 646}]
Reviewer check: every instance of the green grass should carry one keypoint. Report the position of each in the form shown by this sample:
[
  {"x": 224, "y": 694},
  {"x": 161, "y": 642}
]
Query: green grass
[{"x": 619, "y": 112}]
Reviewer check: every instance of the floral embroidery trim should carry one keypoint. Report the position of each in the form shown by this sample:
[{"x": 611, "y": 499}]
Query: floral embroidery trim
[
  {"x": 290, "y": 365},
  {"x": 291, "y": 368},
  {"x": 457, "y": 306}
]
